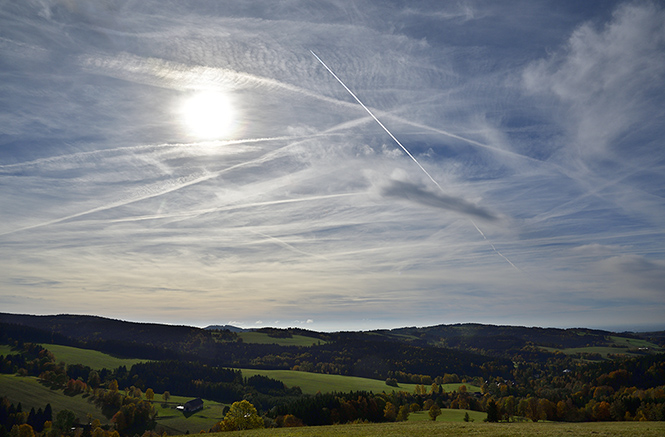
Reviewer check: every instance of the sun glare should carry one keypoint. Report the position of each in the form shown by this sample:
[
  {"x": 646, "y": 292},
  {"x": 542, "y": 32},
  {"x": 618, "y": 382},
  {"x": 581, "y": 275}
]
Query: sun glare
[{"x": 209, "y": 115}]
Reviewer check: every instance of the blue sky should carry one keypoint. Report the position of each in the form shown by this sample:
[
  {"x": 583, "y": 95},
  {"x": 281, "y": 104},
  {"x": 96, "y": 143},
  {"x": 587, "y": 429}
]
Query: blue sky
[{"x": 192, "y": 162}]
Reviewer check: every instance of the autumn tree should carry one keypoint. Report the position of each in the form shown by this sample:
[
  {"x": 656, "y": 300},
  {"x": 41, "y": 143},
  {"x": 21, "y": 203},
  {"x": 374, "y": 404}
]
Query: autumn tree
[
  {"x": 150, "y": 394},
  {"x": 434, "y": 412},
  {"x": 23, "y": 430},
  {"x": 403, "y": 413},
  {"x": 242, "y": 415},
  {"x": 93, "y": 379},
  {"x": 113, "y": 386},
  {"x": 390, "y": 412},
  {"x": 64, "y": 421},
  {"x": 291, "y": 421}
]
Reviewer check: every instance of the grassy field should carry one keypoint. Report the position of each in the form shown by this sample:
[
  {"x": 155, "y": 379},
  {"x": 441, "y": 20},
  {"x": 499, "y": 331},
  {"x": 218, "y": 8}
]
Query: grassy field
[
  {"x": 263, "y": 338},
  {"x": 438, "y": 428},
  {"x": 448, "y": 416},
  {"x": 616, "y": 345},
  {"x": 30, "y": 393},
  {"x": 310, "y": 383},
  {"x": 634, "y": 343},
  {"x": 602, "y": 350},
  {"x": 88, "y": 357},
  {"x": 173, "y": 421},
  {"x": 5, "y": 349}
]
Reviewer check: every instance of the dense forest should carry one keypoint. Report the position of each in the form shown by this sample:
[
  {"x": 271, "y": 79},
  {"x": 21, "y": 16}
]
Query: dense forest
[{"x": 522, "y": 372}]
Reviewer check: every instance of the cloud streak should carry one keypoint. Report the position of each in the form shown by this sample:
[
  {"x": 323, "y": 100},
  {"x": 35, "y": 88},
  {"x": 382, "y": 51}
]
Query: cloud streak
[{"x": 414, "y": 193}]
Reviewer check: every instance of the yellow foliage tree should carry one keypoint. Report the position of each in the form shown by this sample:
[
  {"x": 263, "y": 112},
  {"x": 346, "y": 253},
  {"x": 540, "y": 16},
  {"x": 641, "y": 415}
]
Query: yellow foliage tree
[
  {"x": 242, "y": 415},
  {"x": 434, "y": 412}
]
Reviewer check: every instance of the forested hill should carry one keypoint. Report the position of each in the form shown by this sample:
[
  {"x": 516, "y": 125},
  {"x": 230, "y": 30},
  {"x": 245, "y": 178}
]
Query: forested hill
[
  {"x": 465, "y": 349},
  {"x": 101, "y": 328},
  {"x": 358, "y": 354},
  {"x": 502, "y": 339},
  {"x": 539, "y": 373}
]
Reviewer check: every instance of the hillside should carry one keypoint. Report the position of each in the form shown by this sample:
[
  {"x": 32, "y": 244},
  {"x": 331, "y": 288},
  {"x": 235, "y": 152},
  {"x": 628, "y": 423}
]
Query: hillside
[
  {"x": 356, "y": 354},
  {"x": 340, "y": 377}
]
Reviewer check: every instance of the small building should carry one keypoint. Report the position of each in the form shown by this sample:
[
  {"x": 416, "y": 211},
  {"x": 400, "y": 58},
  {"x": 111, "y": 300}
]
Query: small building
[{"x": 192, "y": 406}]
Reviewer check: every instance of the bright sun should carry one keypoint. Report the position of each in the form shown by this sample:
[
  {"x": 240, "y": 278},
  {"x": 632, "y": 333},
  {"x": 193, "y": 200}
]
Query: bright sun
[{"x": 209, "y": 115}]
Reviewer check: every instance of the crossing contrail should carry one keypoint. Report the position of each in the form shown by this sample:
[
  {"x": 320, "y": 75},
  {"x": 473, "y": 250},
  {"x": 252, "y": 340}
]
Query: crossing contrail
[
  {"x": 407, "y": 152},
  {"x": 377, "y": 120}
]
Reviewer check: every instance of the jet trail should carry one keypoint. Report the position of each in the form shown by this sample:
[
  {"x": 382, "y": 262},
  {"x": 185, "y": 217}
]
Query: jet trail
[
  {"x": 377, "y": 120},
  {"x": 494, "y": 248},
  {"x": 407, "y": 152}
]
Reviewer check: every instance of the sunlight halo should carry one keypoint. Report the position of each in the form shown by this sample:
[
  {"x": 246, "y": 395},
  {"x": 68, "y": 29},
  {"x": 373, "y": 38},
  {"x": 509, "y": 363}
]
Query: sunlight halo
[{"x": 209, "y": 115}]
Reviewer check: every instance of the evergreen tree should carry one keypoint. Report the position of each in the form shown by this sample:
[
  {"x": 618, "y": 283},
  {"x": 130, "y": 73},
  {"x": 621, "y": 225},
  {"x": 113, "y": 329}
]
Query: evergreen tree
[
  {"x": 48, "y": 413},
  {"x": 492, "y": 411}
]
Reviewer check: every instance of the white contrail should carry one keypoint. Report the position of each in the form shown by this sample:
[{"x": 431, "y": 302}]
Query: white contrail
[
  {"x": 494, "y": 248},
  {"x": 378, "y": 121},
  {"x": 407, "y": 152}
]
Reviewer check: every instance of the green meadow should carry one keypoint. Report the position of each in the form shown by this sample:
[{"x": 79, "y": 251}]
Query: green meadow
[
  {"x": 476, "y": 429},
  {"x": 173, "y": 421},
  {"x": 311, "y": 383},
  {"x": 263, "y": 338},
  {"x": 634, "y": 343},
  {"x": 448, "y": 416},
  {"x": 616, "y": 345},
  {"x": 88, "y": 357},
  {"x": 32, "y": 394}
]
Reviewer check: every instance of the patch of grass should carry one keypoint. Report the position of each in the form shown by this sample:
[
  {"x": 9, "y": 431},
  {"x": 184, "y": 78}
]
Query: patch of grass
[
  {"x": 311, "y": 383},
  {"x": 634, "y": 343},
  {"x": 432, "y": 429},
  {"x": 6, "y": 349},
  {"x": 88, "y": 357},
  {"x": 602, "y": 350},
  {"x": 263, "y": 338},
  {"x": 448, "y": 415},
  {"x": 615, "y": 345},
  {"x": 32, "y": 394},
  {"x": 175, "y": 422}
]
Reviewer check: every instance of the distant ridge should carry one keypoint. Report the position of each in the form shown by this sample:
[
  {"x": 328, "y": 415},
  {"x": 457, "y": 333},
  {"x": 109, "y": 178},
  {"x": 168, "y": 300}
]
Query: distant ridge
[{"x": 225, "y": 328}]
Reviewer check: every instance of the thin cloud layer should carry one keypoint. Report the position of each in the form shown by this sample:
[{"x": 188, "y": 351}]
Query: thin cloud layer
[
  {"x": 412, "y": 192},
  {"x": 542, "y": 125},
  {"x": 609, "y": 76}
]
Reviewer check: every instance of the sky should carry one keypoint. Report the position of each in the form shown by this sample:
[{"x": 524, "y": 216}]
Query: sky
[{"x": 334, "y": 165}]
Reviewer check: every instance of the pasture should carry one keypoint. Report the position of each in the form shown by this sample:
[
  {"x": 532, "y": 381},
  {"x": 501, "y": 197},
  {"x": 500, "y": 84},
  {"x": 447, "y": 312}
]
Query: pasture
[
  {"x": 477, "y": 429},
  {"x": 175, "y": 422},
  {"x": 88, "y": 357},
  {"x": 448, "y": 415},
  {"x": 263, "y": 338},
  {"x": 615, "y": 345},
  {"x": 31, "y": 393},
  {"x": 311, "y": 383}
]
